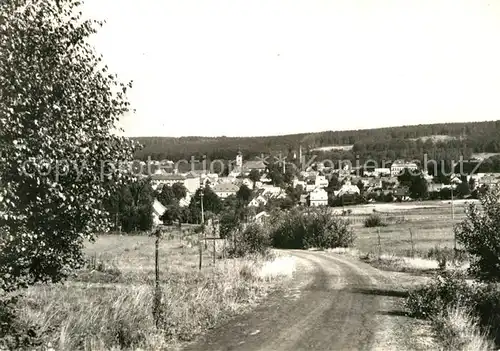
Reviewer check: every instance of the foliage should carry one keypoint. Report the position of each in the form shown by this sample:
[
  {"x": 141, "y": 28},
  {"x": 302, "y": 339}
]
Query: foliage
[
  {"x": 211, "y": 202},
  {"x": 171, "y": 215},
  {"x": 179, "y": 191},
  {"x": 16, "y": 334},
  {"x": 254, "y": 176},
  {"x": 479, "y": 233},
  {"x": 59, "y": 156},
  {"x": 251, "y": 240},
  {"x": 244, "y": 194},
  {"x": 374, "y": 220},
  {"x": 463, "y": 188},
  {"x": 132, "y": 206},
  {"x": 375, "y": 144},
  {"x": 308, "y": 228},
  {"x": 450, "y": 290},
  {"x": 166, "y": 196},
  {"x": 418, "y": 187},
  {"x": 444, "y": 290}
]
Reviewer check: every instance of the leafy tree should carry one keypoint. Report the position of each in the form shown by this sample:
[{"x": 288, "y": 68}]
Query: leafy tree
[
  {"x": 295, "y": 193},
  {"x": 254, "y": 176},
  {"x": 406, "y": 177},
  {"x": 244, "y": 194},
  {"x": 289, "y": 175},
  {"x": 472, "y": 184},
  {"x": 211, "y": 202},
  {"x": 479, "y": 233},
  {"x": 360, "y": 186},
  {"x": 463, "y": 188},
  {"x": 59, "y": 108},
  {"x": 166, "y": 196},
  {"x": 333, "y": 183},
  {"x": 179, "y": 191},
  {"x": 172, "y": 214},
  {"x": 137, "y": 200},
  {"x": 418, "y": 187}
]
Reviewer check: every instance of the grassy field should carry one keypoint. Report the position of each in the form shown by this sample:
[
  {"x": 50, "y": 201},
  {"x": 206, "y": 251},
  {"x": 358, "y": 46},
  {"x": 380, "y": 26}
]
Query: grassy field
[
  {"x": 430, "y": 224},
  {"x": 108, "y": 305}
]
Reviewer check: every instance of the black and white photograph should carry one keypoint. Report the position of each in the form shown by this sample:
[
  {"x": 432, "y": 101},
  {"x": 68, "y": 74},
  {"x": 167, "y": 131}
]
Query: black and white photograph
[{"x": 249, "y": 175}]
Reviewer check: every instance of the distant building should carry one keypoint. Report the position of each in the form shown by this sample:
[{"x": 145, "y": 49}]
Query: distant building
[
  {"x": 381, "y": 172},
  {"x": 347, "y": 189},
  {"x": 321, "y": 181},
  {"x": 258, "y": 201},
  {"x": 158, "y": 211},
  {"x": 166, "y": 179},
  {"x": 225, "y": 190},
  {"x": 192, "y": 182},
  {"x": 239, "y": 159},
  {"x": 318, "y": 197},
  {"x": 254, "y": 165},
  {"x": 399, "y": 166}
]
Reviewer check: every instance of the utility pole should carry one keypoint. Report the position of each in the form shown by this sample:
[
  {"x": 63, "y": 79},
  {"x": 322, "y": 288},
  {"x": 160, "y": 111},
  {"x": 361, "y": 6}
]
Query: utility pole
[
  {"x": 453, "y": 219},
  {"x": 202, "y": 227}
]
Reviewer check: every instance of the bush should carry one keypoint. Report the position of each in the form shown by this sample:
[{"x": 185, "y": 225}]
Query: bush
[
  {"x": 445, "y": 290},
  {"x": 374, "y": 220},
  {"x": 451, "y": 290},
  {"x": 479, "y": 233},
  {"x": 251, "y": 240},
  {"x": 16, "y": 334},
  {"x": 308, "y": 228}
]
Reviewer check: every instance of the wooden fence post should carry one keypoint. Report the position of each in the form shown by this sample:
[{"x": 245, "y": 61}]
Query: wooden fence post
[
  {"x": 379, "y": 244},
  {"x": 157, "y": 293},
  {"x": 412, "y": 244}
]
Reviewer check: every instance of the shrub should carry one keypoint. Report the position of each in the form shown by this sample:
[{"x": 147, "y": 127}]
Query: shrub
[
  {"x": 374, "y": 220},
  {"x": 251, "y": 240},
  {"x": 445, "y": 290},
  {"x": 303, "y": 229},
  {"x": 451, "y": 290},
  {"x": 479, "y": 233},
  {"x": 16, "y": 334}
]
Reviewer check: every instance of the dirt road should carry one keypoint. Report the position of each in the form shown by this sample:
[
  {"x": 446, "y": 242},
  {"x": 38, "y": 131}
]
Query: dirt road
[{"x": 336, "y": 303}]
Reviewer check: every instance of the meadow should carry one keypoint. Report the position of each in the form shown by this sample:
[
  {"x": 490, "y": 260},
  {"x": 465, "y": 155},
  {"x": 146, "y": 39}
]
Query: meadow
[
  {"x": 429, "y": 225},
  {"x": 108, "y": 305}
]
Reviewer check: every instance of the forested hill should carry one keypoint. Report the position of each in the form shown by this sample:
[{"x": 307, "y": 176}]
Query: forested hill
[{"x": 439, "y": 141}]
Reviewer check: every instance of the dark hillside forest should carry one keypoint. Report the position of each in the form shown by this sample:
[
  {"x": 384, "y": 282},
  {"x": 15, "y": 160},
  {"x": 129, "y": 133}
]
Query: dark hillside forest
[{"x": 375, "y": 144}]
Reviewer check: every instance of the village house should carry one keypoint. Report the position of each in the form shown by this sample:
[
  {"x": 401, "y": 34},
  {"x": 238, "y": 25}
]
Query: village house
[
  {"x": 399, "y": 166},
  {"x": 347, "y": 189},
  {"x": 321, "y": 181},
  {"x": 166, "y": 179},
  {"x": 192, "y": 182},
  {"x": 258, "y": 201},
  {"x": 225, "y": 190},
  {"x": 318, "y": 197},
  {"x": 271, "y": 191}
]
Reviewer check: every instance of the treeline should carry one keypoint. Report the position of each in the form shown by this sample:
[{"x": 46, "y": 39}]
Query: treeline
[{"x": 378, "y": 144}]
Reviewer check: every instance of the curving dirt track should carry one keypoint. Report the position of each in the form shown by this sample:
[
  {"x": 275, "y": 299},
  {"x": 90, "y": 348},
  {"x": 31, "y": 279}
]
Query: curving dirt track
[{"x": 336, "y": 303}]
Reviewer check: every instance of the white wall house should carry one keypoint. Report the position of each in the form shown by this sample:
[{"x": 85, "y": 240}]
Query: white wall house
[
  {"x": 225, "y": 190},
  {"x": 167, "y": 179},
  {"x": 318, "y": 197},
  {"x": 158, "y": 211},
  {"x": 399, "y": 166},
  {"x": 257, "y": 201},
  {"x": 321, "y": 181}
]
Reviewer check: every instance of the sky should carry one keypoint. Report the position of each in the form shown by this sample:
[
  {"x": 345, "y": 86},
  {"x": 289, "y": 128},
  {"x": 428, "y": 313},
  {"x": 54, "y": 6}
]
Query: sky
[{"x": 269, "y": 67}]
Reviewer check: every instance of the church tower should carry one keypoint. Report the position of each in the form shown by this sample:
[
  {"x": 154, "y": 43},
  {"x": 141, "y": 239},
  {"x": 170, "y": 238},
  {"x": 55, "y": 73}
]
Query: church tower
[{"x": 239, "y": 159}]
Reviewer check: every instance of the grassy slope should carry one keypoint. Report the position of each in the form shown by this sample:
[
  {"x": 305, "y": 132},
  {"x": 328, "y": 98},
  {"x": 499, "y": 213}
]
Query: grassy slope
[{"x": 109, "y": 305}]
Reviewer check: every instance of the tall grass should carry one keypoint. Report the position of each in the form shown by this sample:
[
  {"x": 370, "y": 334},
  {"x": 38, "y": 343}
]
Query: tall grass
[
  {"x": 116, "y": 316},
  {"x": 458, "y": 329}
]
